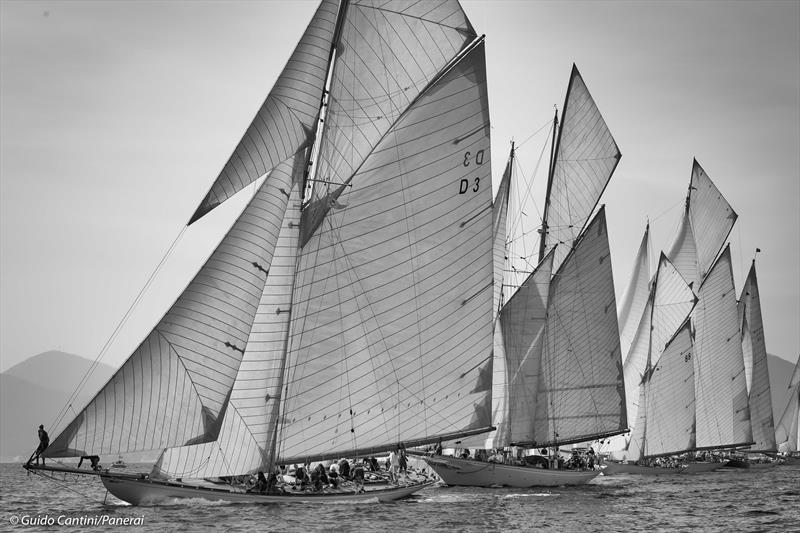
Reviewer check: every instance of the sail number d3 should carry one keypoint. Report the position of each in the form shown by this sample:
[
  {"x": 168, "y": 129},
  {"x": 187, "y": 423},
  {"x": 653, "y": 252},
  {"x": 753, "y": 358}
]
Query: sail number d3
[{"x": 469, "y": 158}]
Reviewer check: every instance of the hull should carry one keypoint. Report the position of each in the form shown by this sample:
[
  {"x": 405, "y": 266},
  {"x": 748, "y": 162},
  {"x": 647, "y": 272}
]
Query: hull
[
  {"x": 612, "y": 468},
  {"x": 470, "y": 473},
  {"x": 143, "y": 491}
]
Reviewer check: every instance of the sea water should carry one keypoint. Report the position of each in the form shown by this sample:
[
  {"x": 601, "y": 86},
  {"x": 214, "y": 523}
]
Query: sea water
[{"x": 730, "y": 500}]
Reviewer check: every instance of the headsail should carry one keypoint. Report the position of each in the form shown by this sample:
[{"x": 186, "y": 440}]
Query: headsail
[
  {"x": 787, "y": 432},
  {"x": 284, "y": 124},
  {"x": 174, "y": 389},
  {"x": 581, "y": 394},
  {"x": 723, "y": 414},
  {"x": 523, "y": 325},
  {"x": 248, "y": 428},
  {"x": 396, "y": 284},
  {"x": 755, "y": 359},
  {"x": 584, "y": 160}
]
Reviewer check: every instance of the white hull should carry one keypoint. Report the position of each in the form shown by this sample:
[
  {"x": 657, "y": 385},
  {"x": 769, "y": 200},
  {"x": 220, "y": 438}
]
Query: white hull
[
  {"x": 142, "y": 491},
  {"x": 612, "y": 468},
  {"x": 470, "y": 473}
]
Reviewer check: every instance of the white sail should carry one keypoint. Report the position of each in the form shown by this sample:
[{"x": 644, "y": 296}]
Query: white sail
[
  {"x": 712, "y": 218},
  {"x": 581, "y": 394},
  {"x": 392, "y": 313},
  {"x": 523, "y": 323},
  {"x": 670, "y": 404},
  {"x": 670, "y": 303},
  {"x": 755, "y": 361},
  {"x": 499, "y": 224},
  {"x": 584, "y": 160},
  {"x": 248, "y": 428},
  {"x": 284, "y": 124},
  {"x": 706, "y": 223},
  {"x": 387, "y": 53},
  {"x": 787, "y": 432},
  {"x": 174, "y": 389},
  {"x": 723, "y": 414},
  {"x": 635, "y": 297},
  {"x": 636, "y": 443}
]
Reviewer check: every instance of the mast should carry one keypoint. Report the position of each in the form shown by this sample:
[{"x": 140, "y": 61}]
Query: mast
[{"x": 551, "y": 168}]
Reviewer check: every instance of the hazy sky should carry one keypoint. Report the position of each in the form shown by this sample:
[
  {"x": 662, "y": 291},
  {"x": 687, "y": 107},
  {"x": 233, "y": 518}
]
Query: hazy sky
[{"x": 115, "y": 118}]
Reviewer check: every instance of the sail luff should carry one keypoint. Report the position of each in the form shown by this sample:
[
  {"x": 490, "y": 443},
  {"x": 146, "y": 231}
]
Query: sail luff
[
  {"x": 636, "y": 294},
  {"x": 550, "y": 167}
]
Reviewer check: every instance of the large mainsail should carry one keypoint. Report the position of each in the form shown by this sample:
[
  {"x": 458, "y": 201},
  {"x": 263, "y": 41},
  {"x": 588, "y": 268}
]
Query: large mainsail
[
  {"x": 248, "y": 428},
  {"x": 581, "y": 394},
  {"x": 584, "y": 160},
  {"x": 174, "y": 389},
  {"x": 391, "y": 336},
  {"x": 755, "y": 361},
  {"x": 723, "y": 414},
  {"x": 284, "y": 124},
  {"x": 787, "y": 432}
]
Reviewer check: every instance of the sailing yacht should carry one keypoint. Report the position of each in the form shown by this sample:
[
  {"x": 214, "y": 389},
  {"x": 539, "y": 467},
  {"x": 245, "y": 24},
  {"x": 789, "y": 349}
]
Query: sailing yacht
[
  {"x": 787, "y": 432},
  {"x": 557, "y": 336},
  {"x": 349, "y": 308},
  {"x": 714, "y": 412}
]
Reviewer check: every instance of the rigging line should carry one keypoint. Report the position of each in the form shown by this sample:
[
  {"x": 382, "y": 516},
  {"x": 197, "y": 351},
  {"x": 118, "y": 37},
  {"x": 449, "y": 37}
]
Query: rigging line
[
  {"x": 73, "y": 397},
  {"x": 517, "y": 223},
  {"x": 547, "y": 124}
]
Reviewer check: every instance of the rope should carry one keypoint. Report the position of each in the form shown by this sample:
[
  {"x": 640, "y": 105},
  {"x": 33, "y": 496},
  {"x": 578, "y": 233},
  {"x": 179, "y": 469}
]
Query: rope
[
  {"x": 113, "y": 336},
  {"x": 62, "y": 484}
]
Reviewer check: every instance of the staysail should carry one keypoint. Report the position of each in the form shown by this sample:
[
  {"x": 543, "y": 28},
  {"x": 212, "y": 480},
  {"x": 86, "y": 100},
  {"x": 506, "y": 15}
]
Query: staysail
[
  {"x": 396, "y": 284},
  {"x": 723, "y": 413},
  {"x": 523, "y": 324},
  {"x": 581, "y": 394},
  {"x": 755, "y": 360},
  {"x": 248, "y": 428},
  {"x": 584, "y": 160},
  {"x": 175, "y": 387},
  {"x": 284, "y": 123}
]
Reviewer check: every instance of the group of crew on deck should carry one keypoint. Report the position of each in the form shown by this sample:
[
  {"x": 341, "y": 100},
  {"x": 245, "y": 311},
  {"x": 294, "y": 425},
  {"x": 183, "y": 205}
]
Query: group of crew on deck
[{"x": 283, "y": 479}]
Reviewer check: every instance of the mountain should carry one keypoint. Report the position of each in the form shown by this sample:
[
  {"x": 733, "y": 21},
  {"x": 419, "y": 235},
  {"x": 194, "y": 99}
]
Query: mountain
[
  {"x": 34, "y": 391},
  {"x": 780, "y": 372}
]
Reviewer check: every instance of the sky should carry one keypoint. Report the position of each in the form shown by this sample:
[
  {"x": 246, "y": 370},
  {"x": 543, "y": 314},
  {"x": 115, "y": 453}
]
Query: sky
[{"x": 116, "y": 117}]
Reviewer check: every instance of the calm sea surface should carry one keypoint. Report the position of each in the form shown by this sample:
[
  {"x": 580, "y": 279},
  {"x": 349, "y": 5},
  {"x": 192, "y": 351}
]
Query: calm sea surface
[{"x": 731, "y": 500}]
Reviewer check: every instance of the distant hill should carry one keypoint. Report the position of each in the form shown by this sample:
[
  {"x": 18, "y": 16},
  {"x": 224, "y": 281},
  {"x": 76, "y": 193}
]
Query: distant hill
[
  {"x": 34, "y": 391},
  {"x": 780, "y": 372}
]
